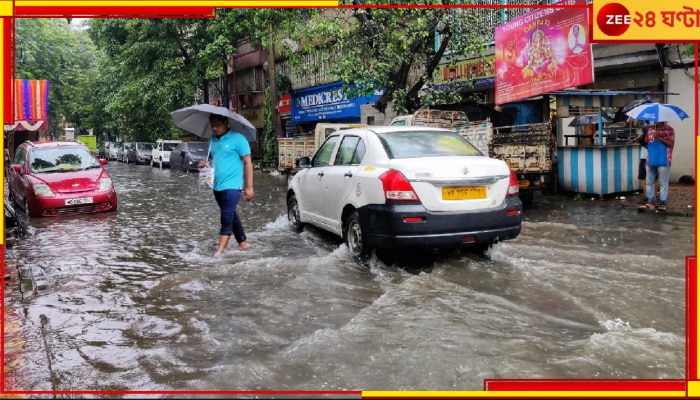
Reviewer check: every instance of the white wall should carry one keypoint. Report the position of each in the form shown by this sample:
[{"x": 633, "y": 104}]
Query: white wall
[{"x": 684, "y": 149}]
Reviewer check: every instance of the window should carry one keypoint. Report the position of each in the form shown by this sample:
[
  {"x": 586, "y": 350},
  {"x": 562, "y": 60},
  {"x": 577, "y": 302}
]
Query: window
[
  {"x": 62, "y": 159},
  {"x": 20, "y": 156},
  {"x": 323, "y": 156},
  {"x": 359, "y": 153},
  {"x": 426, "y": 144},
  {"x": 351, "y": 151}
]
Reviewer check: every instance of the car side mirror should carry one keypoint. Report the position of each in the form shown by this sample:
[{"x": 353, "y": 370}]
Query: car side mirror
[
  {"x": 303, "y": 162},
  {"x": 182, "y": 153},
  {"x": 17, "y": 168},
  {"x": 103, "y": 161}
]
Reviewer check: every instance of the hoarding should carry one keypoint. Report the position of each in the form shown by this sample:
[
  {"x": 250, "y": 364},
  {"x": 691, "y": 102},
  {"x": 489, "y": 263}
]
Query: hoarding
[{"x": 542, "y": 51}]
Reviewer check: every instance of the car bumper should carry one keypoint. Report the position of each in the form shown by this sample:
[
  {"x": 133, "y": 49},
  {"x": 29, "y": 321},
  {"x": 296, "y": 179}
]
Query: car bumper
[
  {"x": 143, "y": 160},
  {"x": 55, "y": 206},
  {"x": 411, "y": 225}
]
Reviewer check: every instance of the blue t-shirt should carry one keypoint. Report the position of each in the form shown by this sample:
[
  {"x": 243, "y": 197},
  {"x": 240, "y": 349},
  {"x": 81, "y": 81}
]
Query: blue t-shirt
[{"x": 226, "y": 154}]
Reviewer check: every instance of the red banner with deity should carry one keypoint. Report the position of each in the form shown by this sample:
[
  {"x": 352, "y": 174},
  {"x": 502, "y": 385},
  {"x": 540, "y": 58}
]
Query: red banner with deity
[{"x": 543, "y": 51}]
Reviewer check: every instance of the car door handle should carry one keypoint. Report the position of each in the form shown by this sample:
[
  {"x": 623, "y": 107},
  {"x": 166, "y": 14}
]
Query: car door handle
[{"x": 348, "y": 174}]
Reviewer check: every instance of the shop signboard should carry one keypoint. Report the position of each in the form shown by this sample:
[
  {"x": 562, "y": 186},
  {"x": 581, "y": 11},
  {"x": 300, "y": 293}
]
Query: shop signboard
[
  {"x": 478, "y": 72},
  {"x": 327, "y": 102},
  {"x": 543, "y": 51},
  {"x": 285, "y": 103}
]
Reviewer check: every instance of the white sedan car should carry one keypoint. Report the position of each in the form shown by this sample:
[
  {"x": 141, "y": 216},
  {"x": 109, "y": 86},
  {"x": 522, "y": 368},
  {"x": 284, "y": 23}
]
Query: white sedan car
[{"x": 405, "y": 187}]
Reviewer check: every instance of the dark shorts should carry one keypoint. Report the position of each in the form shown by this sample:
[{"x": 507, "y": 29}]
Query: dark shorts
[{"x": 642, "y": 174}]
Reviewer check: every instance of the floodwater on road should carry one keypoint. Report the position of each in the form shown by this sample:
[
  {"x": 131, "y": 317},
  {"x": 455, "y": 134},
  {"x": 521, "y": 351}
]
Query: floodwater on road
[{"x": 134, "y": 300}]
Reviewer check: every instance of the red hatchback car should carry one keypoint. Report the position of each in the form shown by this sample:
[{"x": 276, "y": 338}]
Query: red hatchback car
[{"x": 59, "y": 178}]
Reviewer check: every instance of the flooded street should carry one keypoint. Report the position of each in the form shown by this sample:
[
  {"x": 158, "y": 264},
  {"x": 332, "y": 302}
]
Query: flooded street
[{"x": 134, "y": 300}]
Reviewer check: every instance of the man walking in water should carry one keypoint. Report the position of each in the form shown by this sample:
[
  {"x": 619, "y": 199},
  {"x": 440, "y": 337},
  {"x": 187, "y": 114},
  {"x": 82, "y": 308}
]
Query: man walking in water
[{"x": 233, "y": 178}]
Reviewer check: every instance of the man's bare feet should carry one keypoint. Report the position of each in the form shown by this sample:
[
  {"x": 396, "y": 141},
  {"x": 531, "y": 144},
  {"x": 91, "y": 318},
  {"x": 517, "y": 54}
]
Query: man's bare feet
[
  {"x": 243, "y": 245},
  {"x": 218, "y": 254}
]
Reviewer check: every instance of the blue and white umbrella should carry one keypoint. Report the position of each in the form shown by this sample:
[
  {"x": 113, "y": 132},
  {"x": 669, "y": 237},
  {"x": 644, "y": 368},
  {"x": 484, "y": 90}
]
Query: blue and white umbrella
[{"x": 657, "y": 112}]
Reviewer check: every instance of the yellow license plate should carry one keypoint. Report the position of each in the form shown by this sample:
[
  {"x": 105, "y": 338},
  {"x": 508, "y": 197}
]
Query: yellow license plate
[{"x": 463, "y": 192}]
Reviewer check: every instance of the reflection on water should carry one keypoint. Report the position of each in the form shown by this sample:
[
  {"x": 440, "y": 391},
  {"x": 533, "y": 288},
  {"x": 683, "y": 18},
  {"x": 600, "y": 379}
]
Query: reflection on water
[{"x": 134, "y": 300}]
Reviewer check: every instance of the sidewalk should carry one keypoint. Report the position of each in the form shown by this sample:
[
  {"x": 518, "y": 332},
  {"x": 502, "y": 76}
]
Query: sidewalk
[{"x": 681, "y": 200}]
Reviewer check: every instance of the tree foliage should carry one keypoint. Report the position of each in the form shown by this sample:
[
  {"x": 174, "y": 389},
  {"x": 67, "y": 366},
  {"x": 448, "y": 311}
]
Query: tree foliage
[
  {"x": 49, "y": 49},
  {"x": 152, "y": 67},
  {"x": 396, "y": 49}
]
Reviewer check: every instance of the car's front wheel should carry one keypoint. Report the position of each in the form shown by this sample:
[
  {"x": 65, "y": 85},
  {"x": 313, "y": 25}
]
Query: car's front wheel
[
  {"x": 355, "y": 238},
  {"x": 293, "y": 214}
]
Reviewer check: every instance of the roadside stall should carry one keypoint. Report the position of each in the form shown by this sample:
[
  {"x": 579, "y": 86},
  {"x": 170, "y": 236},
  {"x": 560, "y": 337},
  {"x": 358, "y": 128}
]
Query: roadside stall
[{"x": 591, "y": 162}]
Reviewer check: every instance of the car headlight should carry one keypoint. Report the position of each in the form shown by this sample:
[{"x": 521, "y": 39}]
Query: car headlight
[
  {"x": 105, "y": 184},
  {"x": 43, "y": 190}
]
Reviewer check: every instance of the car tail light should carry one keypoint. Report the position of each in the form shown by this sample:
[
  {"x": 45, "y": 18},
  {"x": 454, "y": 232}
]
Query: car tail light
[
  {"x": 513, "y": 188},
  {"x": 397, "y": 187}
]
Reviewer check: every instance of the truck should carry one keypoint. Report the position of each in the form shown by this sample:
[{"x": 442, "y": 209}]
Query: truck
[
  {"x": 292, "y": 148},
  {"x": 529, "y": 149},
  {"x": 90, "y": 141}
]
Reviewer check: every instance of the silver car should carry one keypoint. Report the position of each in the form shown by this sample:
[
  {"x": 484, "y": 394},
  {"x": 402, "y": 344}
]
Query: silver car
[{"x": 140, "y": 153}]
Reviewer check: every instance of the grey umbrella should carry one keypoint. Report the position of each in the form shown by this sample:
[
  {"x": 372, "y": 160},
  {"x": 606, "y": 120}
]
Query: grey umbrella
[
  {"x": 588, "y": 119},
  {"x": 638, "y": 102},
  {"x": 195, "y": 119}
]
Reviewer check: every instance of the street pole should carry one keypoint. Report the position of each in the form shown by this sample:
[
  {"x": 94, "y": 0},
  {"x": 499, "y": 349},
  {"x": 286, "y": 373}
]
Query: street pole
[
  {"x": 224, "y": 94},
  {"x": 274, "y": 101}
]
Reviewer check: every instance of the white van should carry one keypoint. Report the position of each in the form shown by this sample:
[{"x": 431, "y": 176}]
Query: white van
[{"x": 161, "y": 152}]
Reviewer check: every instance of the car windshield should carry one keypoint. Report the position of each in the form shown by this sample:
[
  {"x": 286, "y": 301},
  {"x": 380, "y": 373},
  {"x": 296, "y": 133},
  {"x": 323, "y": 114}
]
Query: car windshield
[
  {"x": 169, "y": 146},
  {"x": 61, "y": 159},
  {"x": 144, "y": 146},
  {"x": 413, "y": 144},
  {"x": 197, "y": 147}
]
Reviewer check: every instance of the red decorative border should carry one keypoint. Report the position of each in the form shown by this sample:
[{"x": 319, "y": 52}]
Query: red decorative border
[{"x": 518, "y": 385}]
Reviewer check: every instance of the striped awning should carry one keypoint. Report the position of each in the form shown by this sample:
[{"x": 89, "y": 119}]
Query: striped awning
[{"x": 31, "y": 104}]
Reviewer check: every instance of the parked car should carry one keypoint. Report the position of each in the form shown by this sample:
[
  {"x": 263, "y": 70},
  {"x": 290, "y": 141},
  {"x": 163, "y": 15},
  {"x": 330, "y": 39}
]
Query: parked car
[
  {"x": 124, "y": 151},
  {"x": 161, "y": 152},
  {"x": 187, "y": 155},
  {"x": 113, "y": 151},
  {"x": 58, "y": 178},
  {"x": 140, "y": 153},
  {"x": 405, "y": 187}
]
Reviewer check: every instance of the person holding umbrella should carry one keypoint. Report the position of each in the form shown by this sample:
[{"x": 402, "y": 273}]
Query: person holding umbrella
[
  {"x": 660, "y": 140},
  {"x": 233, "y": 178},
  {"x": 229, "y": 134}
]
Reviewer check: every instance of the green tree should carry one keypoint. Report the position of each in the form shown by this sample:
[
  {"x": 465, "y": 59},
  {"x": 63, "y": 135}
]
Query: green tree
[
  {"x": 385, "y": 47},
  {"x": 49, "y": 49}
]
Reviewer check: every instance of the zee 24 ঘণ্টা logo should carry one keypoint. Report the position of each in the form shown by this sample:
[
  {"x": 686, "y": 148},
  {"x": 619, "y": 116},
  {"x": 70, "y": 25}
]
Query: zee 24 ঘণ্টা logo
[{"x": 614, "y": 19}]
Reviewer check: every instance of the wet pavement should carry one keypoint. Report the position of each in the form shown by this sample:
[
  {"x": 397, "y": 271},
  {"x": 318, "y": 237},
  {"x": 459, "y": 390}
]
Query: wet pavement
[{"x": 134, "y": 300}]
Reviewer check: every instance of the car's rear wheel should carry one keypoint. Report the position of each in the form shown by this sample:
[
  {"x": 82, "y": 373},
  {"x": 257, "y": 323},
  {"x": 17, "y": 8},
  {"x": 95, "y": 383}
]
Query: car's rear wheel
[
  {"x": 293, "y": 214},
  {"x": 355, "y": 238}
]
